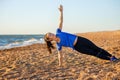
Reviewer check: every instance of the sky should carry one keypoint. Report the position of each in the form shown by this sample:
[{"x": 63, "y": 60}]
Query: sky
[{"x": 41, "y": 16}]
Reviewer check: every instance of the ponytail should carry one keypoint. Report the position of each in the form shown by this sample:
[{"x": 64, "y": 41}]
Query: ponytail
[{"x": 49, "y": 44}]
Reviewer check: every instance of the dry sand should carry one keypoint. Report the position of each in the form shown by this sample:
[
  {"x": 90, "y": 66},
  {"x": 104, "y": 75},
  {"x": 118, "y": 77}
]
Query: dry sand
[{"x": 35, "y": 63}]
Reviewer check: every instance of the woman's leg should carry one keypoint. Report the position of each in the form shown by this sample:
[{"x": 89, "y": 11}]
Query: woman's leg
[{"x": 85, "y": 46}]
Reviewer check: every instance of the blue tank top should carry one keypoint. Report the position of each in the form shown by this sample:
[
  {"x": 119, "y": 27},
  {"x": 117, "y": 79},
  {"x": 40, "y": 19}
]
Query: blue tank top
[{"x": 66, "y": 39}]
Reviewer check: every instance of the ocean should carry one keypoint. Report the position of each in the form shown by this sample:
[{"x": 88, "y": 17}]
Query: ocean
[{"x": 11, "y": 41}]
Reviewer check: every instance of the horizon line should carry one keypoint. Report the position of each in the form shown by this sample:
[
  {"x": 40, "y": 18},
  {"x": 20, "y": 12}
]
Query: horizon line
[{"x": 73, "y": 33}]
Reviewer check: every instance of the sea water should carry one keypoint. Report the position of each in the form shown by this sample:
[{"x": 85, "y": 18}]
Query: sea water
[{"x": 11, "y": 41}]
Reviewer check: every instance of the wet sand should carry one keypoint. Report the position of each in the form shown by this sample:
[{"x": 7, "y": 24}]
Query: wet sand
[{"x": 35, "y": 63}]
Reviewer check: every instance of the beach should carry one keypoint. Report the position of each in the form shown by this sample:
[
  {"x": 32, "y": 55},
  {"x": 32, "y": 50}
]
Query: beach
[{"x": 33, "y": 62}]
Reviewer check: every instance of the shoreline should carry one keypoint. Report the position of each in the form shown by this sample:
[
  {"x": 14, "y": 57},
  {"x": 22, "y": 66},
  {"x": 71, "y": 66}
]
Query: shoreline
[{"x": 89, "y": 35}]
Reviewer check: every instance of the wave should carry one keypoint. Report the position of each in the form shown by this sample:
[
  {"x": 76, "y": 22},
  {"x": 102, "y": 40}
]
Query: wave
[{"x": 20, "y": 44}]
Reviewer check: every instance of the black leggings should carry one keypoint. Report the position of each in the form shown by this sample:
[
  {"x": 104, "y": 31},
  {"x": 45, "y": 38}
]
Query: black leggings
[{"x": 85, "y": 46}]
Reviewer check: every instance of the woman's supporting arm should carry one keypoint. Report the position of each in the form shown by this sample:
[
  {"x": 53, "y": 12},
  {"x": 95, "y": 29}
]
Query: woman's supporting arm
[
  {"x": 60, "y": 58},
  {"x": 61, "y": 17}
]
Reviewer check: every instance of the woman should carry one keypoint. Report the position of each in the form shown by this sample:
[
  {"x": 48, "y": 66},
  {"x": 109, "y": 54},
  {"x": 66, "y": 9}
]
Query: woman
[{"x": 75, "y": 42}]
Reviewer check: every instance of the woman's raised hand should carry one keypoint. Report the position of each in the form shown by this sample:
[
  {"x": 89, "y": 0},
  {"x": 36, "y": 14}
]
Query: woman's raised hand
[{"x": 60, "y": 8}]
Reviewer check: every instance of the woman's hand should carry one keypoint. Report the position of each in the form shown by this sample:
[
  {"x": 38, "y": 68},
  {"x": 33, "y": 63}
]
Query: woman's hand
[{"x": 60, "y": 8}]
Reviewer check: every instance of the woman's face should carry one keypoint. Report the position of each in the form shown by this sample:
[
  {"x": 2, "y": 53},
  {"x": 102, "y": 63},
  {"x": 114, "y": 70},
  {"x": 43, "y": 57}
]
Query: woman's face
[{"x": 51, "y": 36}]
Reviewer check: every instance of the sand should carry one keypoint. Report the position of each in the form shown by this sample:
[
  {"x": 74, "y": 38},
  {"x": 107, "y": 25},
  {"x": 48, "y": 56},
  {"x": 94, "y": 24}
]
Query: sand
[{"x": 35, "y": 63}]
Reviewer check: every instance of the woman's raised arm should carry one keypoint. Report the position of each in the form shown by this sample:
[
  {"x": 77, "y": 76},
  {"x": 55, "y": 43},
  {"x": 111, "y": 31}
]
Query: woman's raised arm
[{"x": 61, "y": 17}]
